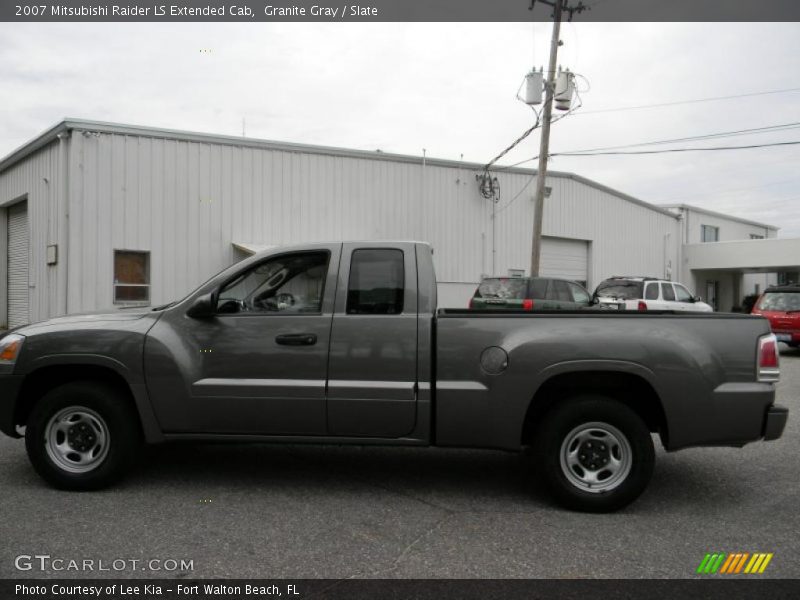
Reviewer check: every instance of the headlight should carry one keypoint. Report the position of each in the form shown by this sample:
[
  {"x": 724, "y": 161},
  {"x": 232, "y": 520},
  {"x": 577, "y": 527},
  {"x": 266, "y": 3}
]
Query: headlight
[{"x": 10, "y": 346}]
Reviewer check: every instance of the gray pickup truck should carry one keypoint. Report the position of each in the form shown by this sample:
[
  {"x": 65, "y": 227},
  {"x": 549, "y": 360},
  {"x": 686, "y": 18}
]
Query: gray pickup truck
[{"x": 342, "y": 343}]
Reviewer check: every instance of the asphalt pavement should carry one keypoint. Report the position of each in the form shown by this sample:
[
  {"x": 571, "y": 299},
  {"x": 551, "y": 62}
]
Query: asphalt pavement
[{"x": 247, "y": 511}]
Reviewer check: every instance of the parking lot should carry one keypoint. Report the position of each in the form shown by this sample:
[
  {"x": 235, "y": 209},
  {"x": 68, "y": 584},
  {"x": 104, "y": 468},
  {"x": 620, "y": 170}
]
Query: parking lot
[{"x": 337, "y": 512}]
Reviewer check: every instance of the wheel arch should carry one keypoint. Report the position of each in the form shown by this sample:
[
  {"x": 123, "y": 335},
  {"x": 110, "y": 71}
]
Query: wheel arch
[
  {"x": 628, "y": 383},
  {"x": 50, "y": 372}
]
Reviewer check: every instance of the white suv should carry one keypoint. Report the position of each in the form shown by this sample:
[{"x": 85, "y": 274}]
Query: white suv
[{"x": 646, "y": 293}]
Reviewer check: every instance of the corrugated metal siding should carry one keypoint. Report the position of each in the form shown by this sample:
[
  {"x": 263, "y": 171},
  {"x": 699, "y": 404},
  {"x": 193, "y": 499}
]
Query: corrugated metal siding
[
  {"x": 18, "y": 265},
  {"x": 187, "y": 201},
  {"x": 729, "y": 229},
  {"x": 626, "y": 238},
  {"x": 34, "y": 179}
]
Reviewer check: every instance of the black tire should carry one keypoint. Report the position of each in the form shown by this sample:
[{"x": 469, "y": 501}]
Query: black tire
[
  {"x": 627, "y": 449},
  {"x": 93, "y": 416}
]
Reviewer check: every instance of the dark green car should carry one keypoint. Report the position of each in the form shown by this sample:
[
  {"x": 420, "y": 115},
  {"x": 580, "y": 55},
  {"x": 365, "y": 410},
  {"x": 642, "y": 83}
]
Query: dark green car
[{"x": 529, "y": 293}]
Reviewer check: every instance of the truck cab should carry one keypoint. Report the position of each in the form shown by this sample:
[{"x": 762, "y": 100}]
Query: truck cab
[{"x": 312, "y": 341}]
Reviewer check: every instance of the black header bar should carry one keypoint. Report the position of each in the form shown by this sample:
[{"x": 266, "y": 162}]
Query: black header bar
[{"x": 396, "y": 10}]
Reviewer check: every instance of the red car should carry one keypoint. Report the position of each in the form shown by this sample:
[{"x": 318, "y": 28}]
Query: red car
[{"x": 781, "y": 305}]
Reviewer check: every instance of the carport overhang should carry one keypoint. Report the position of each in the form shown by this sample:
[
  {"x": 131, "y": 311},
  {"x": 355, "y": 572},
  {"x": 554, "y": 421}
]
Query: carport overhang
[
  {"x": 746, "y": 256},
  {"x": 249, "y": 248}
]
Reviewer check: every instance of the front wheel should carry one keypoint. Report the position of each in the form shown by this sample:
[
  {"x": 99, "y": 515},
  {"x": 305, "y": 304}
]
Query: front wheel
[
  {"x": 82, "y": 435},
  {"x": 594, "y": 453}
]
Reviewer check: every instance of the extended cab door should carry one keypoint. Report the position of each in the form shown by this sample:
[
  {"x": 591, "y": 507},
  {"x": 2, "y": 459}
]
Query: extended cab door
[
  {"x": 258, "y": 365},
  {"x": 372, "y": 371}
]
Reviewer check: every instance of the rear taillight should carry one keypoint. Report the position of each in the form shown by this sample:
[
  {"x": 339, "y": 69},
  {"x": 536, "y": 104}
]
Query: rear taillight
[
  {"x": 527, "y": 304},
  {"x": 642, "y": 305},
  {"x": 470, "y": 303},
  {"x": 769, "y": 368}
]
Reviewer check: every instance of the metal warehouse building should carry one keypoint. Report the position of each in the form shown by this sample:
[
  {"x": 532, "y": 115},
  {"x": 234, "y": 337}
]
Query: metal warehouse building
[{"x": 97, "y": 215}]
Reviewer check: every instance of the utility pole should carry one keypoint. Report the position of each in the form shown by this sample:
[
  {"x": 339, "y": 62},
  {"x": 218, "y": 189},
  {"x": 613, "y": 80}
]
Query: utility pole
[{"x": 559, "y": 6}]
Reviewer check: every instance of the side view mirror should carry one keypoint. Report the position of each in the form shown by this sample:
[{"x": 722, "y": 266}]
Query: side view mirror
[
  {"x": 696, "y": 299},
  {"x": 203, "y": 306}
]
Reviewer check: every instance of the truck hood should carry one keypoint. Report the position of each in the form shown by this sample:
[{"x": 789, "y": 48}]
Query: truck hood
[{"x": 85, "y": 319}]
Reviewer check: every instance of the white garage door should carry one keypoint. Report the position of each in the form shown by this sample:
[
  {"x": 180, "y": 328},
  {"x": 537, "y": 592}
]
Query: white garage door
[
  {"x": 565, "y": 258},
  {"x": 18, "y": 265}
]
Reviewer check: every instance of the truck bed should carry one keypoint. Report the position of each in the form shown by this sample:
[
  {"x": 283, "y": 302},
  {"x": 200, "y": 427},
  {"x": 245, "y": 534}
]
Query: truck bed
[{"x": 681, "y": 357}]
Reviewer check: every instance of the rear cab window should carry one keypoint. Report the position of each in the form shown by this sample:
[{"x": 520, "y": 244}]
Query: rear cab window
[
  {"x": 651, "y": 291},
  {"x": 667, "y": 292},
  {"x": 377, "y": 282}
]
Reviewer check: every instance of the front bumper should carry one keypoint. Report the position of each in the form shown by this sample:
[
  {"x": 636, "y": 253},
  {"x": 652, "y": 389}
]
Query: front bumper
[
  {"x": 775, "y": 421},
  {"x": 9, "y": 391}
]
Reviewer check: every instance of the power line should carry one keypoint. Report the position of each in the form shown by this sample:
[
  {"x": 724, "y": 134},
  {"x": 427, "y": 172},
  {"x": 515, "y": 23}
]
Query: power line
[
  {"x": 706, "y": 136},
  {"x": 730, "y": 191},
  {"x": 694, "y": 101},
  {"x": 517, "y": 195},
  {"x": 513, "y": 144},
  {"x": 680, "y": 150},
  {"x": 601, "y": 151}
]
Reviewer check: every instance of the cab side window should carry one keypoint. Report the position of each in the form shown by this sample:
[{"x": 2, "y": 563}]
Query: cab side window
[
  {"x": 292, "y": 283},
  {"x": 562, "y": 291},
  {"x": 682, "y": 293},
  {"x": 579, "y": 295},
  {"x": 667, "y": 292},
  {"x": 538, "y": 289},
  {"x": 377, "y": 282}
]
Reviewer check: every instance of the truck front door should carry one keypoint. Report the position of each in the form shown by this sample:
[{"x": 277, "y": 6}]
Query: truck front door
[
  {"x": 259, "y": 364},
  {"x": 372, "y": 370}
]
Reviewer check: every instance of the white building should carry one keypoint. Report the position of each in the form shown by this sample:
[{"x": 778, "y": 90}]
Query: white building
[{"x": 98, "y": 215}]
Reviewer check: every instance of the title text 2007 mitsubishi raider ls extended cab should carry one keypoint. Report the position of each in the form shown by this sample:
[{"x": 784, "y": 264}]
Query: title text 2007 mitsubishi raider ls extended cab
[{"x": 341, "y": 343}]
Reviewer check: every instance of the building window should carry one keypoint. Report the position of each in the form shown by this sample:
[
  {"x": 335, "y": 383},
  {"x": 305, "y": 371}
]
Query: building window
[
  {"x": 376, "y": 282},
  {"x": 709, "y": 233},
  {"x": 754, "y": 236},
  {"x": 131, "y": 277}
]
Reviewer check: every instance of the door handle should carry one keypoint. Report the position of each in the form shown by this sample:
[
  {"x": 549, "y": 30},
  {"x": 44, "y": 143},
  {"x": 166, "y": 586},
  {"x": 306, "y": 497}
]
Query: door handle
[{"x": 297, "y": 339}]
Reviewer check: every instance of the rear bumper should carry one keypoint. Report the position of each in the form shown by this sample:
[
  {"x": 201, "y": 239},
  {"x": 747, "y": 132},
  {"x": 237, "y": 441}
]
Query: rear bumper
[
  {"x": 9, "y": 390},
  {"x": 787, "y": 337},
  {"x": 775, "y": 421},
  {"x": 738, "y": 413}
]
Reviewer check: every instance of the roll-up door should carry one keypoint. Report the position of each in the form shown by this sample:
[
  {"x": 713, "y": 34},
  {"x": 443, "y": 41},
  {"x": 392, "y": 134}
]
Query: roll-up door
[
  {"x": 563, "y": 257},
  {"x": 18, "y": 265}
]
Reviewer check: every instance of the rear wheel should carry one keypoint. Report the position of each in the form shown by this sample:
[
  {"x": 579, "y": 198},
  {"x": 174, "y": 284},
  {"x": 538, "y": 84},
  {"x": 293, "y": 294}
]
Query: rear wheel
[
  {"x": 82, "y": 435},
  {"x": 594, "y": 453}
]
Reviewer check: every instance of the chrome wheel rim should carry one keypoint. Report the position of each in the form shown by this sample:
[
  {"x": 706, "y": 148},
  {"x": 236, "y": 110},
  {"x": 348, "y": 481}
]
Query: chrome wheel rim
[
  {"x": 77, "y": 439},
  {"x": 596, "y": 457}
]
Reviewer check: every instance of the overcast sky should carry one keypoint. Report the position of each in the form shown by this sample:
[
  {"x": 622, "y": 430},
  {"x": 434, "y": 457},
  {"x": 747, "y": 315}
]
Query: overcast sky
[{"x": 448, "y": 88}]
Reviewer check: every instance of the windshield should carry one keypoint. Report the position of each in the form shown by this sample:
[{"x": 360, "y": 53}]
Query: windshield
[
  {"x": 502, "y": 288},
  {"x": 620, "y": 290},
  {"x": 780, "y": 301}
]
